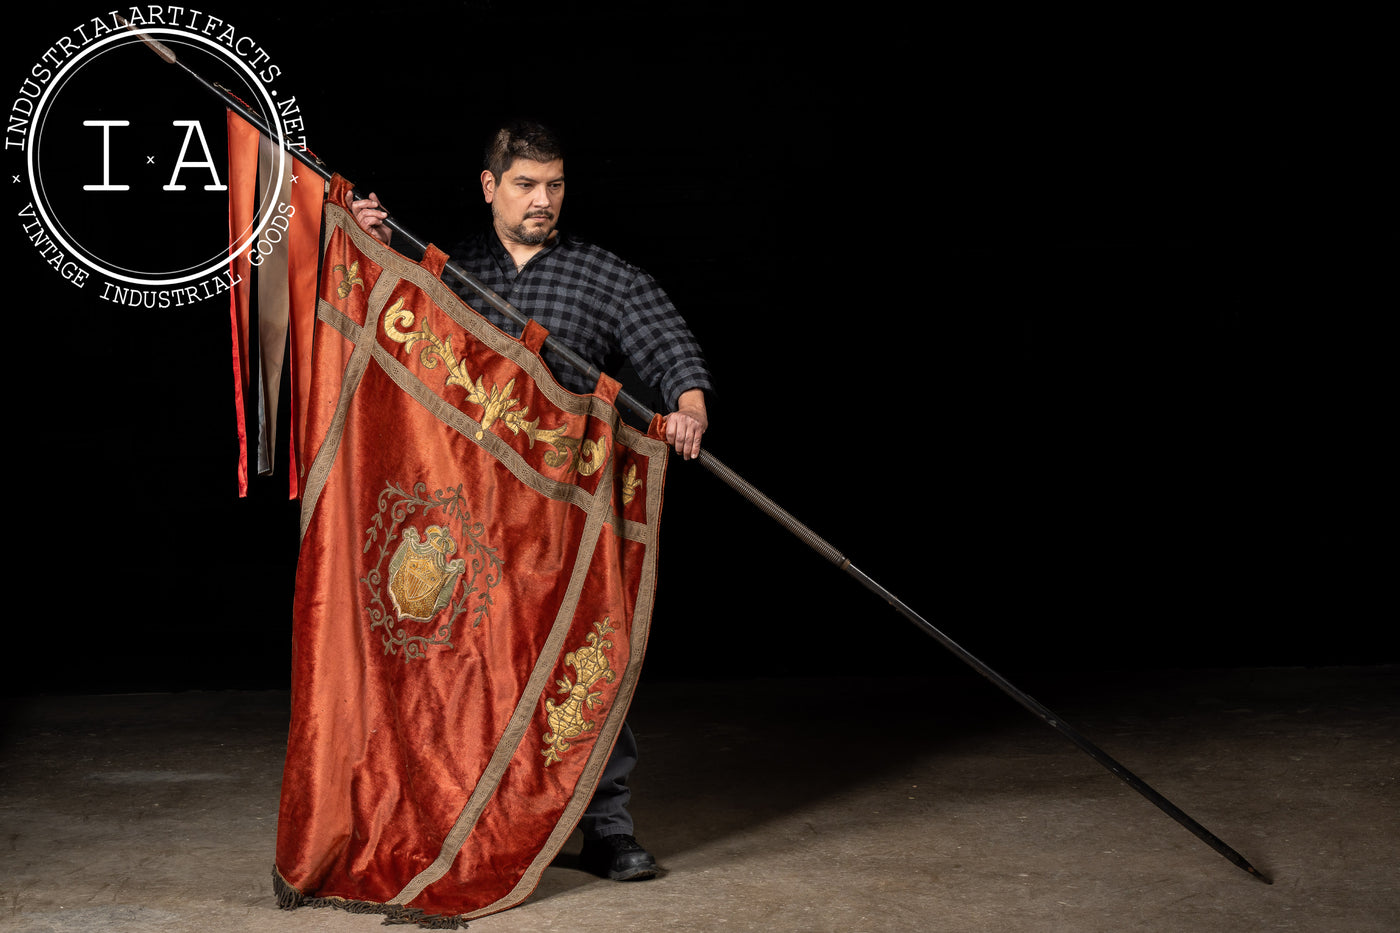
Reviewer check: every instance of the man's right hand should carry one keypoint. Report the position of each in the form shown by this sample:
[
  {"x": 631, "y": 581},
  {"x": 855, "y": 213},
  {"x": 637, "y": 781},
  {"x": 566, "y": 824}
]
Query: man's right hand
[{"x": 370, "y": 216}]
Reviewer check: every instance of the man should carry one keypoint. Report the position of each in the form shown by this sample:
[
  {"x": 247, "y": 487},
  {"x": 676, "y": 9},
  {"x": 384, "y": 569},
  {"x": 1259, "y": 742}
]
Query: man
[{"x": 605, "y": 310}]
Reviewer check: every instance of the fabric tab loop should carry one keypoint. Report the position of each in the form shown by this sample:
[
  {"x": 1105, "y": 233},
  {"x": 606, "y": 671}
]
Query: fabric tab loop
[
  {"x": 607, "y": 388},
  {"x": 534, "y": 336},
  {"x": 433, "y": 260}
]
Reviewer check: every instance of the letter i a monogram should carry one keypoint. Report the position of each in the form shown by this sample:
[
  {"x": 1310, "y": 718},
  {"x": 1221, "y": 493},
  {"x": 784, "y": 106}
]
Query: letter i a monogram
[
  {"x": 192, "y": 128},
  {"x": 106, "y": 155}
]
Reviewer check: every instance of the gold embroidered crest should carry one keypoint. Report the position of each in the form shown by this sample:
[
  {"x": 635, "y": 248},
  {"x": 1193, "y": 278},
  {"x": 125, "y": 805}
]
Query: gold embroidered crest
[
  {"x": 421, "y": 578},
  {"x": 422, "y": 575}
]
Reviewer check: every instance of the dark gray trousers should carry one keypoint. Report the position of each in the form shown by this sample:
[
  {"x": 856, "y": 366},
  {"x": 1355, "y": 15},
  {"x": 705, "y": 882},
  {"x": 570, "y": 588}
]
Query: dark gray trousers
[{"x": 607, "y": 812}]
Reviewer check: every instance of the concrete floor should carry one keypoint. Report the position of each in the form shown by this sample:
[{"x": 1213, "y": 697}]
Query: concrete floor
[{"x": 823, "y": 805}]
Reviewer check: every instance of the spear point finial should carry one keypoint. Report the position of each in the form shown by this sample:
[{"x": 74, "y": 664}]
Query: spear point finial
[{"x": 160, "y": 48}]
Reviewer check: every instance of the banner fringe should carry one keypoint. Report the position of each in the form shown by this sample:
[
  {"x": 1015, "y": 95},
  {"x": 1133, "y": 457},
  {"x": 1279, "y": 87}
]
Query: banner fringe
[{"x": 289, "y": 898}]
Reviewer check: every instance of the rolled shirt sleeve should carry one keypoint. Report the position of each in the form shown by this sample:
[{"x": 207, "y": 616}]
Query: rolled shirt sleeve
[{"x": 659, "y": 344}]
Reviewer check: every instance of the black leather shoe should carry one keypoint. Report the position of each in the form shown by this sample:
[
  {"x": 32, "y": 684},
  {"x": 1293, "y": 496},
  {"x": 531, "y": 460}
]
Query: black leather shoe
[{"x": 617, "y": 857}]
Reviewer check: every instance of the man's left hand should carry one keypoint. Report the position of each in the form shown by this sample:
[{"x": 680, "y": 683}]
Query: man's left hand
[{"x": 686, "y": 425}]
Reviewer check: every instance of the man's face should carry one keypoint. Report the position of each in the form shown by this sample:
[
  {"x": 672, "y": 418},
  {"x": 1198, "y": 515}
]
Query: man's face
[{"x": 525, "y": 203}]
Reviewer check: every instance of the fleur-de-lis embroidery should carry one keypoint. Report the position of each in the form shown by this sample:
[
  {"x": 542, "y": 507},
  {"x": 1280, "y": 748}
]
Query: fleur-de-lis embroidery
[
  {"x": 630, "y": 484},
  {"x": 349, "y": 278}
]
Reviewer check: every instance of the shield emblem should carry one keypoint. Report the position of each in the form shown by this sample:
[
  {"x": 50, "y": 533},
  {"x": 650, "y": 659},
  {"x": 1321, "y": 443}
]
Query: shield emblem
[{"x": 421, "y": 578}]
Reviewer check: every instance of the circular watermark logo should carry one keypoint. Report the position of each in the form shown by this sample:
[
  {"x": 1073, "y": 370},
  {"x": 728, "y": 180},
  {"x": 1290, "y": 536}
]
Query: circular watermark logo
[{"x": 123, "y": 153}]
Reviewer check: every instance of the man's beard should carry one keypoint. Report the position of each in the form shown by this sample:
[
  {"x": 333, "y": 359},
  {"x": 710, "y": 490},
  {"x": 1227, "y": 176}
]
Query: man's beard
[{"x": 531, "y": 235}]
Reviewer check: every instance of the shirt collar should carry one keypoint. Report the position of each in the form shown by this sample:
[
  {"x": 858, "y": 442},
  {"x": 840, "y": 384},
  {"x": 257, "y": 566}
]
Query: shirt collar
[{"x": 503, "y": 257}]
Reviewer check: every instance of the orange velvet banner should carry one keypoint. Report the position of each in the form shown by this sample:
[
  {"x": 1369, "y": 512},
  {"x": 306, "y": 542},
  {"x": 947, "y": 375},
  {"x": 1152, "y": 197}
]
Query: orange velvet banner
[
  {"x": 285, "y": 255},
  {"x": 474, "y": 592},
  {"x": 242, "y": 198},
  {"x": 303, "y": 246}
]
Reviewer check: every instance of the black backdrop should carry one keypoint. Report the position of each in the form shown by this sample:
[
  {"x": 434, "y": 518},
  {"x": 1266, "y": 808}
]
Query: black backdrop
[{"x": 1057, "y": 328}]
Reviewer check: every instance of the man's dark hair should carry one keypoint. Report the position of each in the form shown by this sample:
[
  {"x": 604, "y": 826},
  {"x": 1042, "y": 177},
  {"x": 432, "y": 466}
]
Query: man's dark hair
[{"x": 521, "y": 139}]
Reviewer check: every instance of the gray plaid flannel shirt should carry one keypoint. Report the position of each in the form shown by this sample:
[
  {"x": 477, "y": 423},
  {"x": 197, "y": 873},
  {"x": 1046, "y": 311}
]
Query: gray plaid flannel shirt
[{"x": 597, "y": 305}]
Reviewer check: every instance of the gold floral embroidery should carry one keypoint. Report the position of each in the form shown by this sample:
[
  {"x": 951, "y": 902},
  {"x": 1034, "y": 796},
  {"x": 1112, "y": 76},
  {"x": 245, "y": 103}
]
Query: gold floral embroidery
[
  {"x": 566, "y": 719},
  {"x": 496, "y": 402},
  {"x": 586, "y": 457}
]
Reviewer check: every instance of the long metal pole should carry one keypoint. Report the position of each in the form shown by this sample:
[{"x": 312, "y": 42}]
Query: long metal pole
[{"x": 771, "y": 508}]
